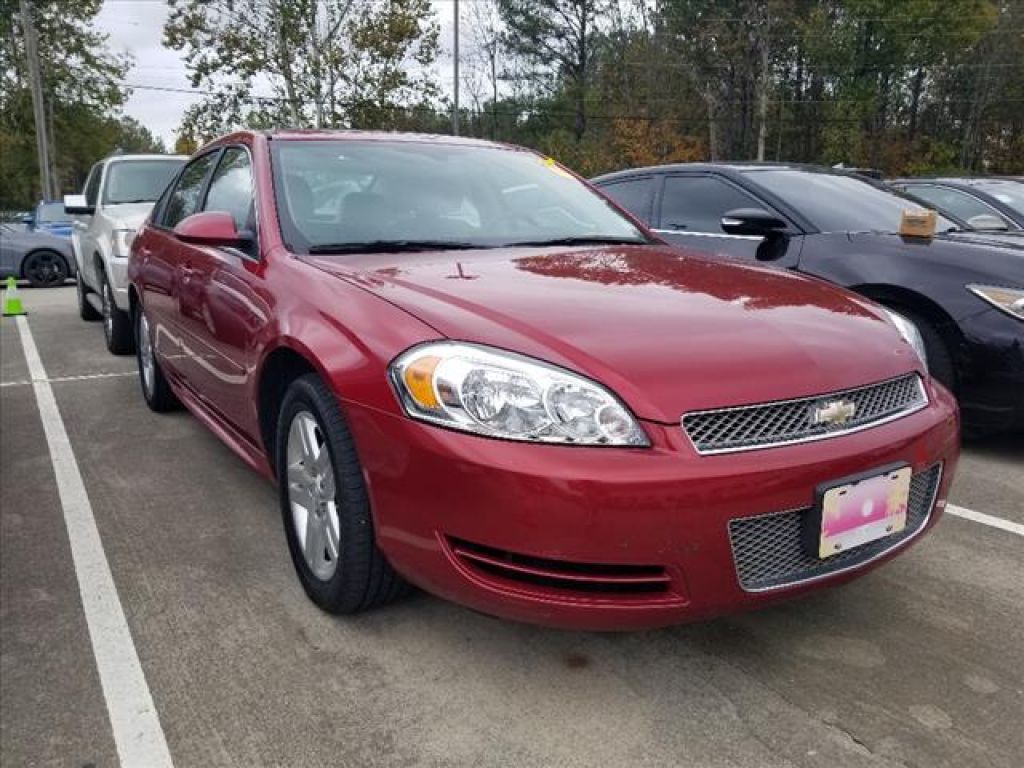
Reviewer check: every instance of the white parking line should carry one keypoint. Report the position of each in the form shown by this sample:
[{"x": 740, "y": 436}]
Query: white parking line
[
  {"x": 980, "y": 517},
  {"x": 134, "y": 720},
  {"x": 61, "y": 379}
]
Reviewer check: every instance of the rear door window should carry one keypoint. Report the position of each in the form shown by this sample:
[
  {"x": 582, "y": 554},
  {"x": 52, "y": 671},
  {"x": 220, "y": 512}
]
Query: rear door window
[
  {"x": 697, "y": 203},
  {"x": 633, "y": 194}
]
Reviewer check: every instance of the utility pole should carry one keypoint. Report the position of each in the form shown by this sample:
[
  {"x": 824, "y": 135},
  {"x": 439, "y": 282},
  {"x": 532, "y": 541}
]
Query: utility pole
[
  {"x": 455, "y": 57},
  {"x": 35, "y": 80}
]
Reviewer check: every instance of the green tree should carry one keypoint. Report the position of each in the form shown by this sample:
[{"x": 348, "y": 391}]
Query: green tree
[
  {"x": 82, "y": 90},
  {"x": 304, "y": 63},
  {"x": 557, "y": 40}
]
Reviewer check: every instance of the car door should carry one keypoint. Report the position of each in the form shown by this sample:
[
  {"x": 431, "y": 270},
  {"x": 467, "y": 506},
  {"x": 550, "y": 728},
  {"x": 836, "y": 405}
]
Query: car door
[
  {"x": 82, "y": 231},
  {"x": 166, "y": 275},
  {"x": 10, "y": 256},
  {"x": 689, "y": 214},
  {"x": 227, "y": 305}
]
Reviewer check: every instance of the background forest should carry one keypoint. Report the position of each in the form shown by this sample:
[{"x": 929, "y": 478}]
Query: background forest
[{"x": 905, "y": 86}]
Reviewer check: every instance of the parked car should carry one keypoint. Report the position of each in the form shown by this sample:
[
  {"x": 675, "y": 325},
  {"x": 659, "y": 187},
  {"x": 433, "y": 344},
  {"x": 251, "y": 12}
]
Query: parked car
[
  {"x": 977, "y": 203},
  {"x": 478, "y": 376},
  {"x": 43, "y": 259},
  {"x": 963, "y": 294},
  {"x": 50, "y": 217},
  {"x": 119, "y": 192}
]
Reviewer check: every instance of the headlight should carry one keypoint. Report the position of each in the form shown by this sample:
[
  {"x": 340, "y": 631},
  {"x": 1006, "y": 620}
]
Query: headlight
[
  {"x": 1009, "y": 300},
  {"x": 910, "y": 335},
  {"x": 501, "y": 394},
  {"x": 123, "y": 242}
]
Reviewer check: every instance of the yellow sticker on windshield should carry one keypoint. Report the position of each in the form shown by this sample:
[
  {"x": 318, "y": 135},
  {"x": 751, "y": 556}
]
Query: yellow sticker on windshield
[{"x": 551, "y": 163}]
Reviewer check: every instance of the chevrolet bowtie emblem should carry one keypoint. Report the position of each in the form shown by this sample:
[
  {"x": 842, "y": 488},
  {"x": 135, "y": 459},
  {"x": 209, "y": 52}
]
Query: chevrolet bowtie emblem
[{"x": 833, "y": 413}]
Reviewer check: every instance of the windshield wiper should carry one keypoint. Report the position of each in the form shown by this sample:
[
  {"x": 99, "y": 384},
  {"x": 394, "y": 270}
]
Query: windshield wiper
[
  {"x": 129, "y": 202},
  {"x": 585, "y": 240},
  {"x": 395, "y": 246}
]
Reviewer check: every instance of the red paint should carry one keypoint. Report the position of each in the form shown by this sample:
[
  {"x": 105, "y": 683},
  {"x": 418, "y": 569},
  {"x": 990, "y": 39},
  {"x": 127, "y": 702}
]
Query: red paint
[{"x": 667, "y": 333}]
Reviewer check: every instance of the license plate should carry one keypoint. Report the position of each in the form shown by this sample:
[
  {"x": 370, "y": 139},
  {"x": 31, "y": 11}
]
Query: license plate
[{"x": 862, "y": 509}]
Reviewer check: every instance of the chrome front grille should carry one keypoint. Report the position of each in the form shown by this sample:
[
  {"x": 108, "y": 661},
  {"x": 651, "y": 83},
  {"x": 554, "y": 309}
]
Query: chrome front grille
[
  {"x": 782, "y": 422},
  {"x": 769, "y": 553}
]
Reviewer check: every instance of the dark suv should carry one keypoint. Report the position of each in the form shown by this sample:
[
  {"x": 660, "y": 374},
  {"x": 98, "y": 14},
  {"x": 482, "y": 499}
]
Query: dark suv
[{"x": 966, "y": 297}]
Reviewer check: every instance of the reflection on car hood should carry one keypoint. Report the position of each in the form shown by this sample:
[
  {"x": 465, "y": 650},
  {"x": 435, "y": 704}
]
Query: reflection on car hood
[{"x": 669, "y": 332}]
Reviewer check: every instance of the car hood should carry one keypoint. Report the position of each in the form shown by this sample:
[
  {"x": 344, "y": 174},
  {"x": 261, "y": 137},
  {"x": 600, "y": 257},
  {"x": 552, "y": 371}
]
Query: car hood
[
  {"x": 669, "y": 333},
  {"x": 128, "y": 215}
]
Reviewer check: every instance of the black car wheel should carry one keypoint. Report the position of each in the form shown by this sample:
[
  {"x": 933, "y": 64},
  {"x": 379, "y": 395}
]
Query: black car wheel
[
  {"x": 325, "y": 506},
  {"x": 940, "y": 358},
  {"x": 86, "y": 311},
  {"x": 117, "y": 324},
  {"x": 44, "y": 269},
  {"x": 157, "y": 392}
]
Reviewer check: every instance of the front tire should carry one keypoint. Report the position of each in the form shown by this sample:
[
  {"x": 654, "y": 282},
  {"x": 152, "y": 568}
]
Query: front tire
[
  {"x": 325, "y": 506},
  {"x": 157, "y": 392},
  {"x": 86, "y": 311},
  {"x": 44, "y": 269},
  {"x": 117, "y": 324},
  {"x": 940, "y": 358}
]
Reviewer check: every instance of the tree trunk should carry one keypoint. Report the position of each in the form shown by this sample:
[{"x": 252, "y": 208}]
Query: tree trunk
[{"x": 762, "y": 132}]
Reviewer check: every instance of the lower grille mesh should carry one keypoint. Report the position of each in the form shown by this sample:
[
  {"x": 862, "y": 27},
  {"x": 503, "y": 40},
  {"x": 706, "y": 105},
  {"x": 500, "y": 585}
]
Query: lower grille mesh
[{"x": 768, "y": 550}]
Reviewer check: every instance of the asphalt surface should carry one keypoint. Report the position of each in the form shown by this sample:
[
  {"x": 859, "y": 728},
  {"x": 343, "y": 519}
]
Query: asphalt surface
[{"x": 920, "y": 663}]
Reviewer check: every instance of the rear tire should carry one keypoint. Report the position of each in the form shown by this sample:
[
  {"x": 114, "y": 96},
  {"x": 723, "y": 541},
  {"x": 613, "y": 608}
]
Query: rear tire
[
  {"x": 86, "y": 311},
  {"x": 44, "y": 269},
  {"x": 155, "y": 390},
  {"x": 325, "y": 505},
  {"x": 117, "y": 324}
]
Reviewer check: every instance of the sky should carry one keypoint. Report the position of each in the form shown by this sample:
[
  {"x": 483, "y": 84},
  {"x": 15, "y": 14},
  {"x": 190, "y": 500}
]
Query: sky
[{"x": 136, "y": 27}]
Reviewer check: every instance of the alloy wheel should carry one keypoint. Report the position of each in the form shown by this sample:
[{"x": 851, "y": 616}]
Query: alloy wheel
[
  {"x": 146, "y": 354},
  {"x": 311, "y": 495},
  {"x": 108, "y": 310}
]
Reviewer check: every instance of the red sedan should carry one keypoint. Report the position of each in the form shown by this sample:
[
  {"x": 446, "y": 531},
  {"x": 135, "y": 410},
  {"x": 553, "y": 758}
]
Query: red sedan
[{"x": 468, "y": 370}]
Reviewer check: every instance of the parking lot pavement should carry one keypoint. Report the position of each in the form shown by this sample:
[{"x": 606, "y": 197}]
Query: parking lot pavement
[{"x": 920, "y": 663}]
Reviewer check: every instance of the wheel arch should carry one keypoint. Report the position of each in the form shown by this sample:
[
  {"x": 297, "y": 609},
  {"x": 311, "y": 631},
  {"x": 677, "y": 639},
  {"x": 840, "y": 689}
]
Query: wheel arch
[
  {"x": 898, "y": 297},
  {"x": 280, "y": 366}
]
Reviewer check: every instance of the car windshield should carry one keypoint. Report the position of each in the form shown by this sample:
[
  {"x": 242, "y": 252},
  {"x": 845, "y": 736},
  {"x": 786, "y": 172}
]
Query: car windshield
[
  {"x": 138, "y": 181},
  {"x": 837, "y": 203},
  {"x": 51, "y": 213},
  {"x": 348, "y": 195},
  {"x": 1009, "y": 193}
]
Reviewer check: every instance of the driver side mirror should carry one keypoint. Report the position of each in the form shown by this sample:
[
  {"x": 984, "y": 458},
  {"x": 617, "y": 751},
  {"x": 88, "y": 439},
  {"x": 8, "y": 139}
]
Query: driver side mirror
[
  {"x": 215, "y": 228},
  {"x": 752, "y": 221},
  {"x": 76, "y": 205}
]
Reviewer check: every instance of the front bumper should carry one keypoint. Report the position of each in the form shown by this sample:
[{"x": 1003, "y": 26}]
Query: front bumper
[
  {"x": 992, "y": 381},
  {"x": 606, "y": 538}
]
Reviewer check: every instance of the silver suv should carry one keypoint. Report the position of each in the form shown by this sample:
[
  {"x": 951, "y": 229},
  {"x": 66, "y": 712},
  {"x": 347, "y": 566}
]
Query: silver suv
[{"x": 118, "y": 196}]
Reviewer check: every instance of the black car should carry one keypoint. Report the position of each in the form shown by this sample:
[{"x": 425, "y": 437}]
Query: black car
[
  {"x": 977, "y": 203},
  {"x": 964, "y": 294}
]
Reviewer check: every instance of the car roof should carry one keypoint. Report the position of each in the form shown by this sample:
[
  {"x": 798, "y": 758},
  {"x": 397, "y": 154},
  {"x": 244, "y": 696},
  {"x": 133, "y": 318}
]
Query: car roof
[
  {"x": 295, "y": 134},
  {"x": 153, "y": 156},
  {"x": 958, "y": 181},
  {"x": 734, "y": 167}
]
